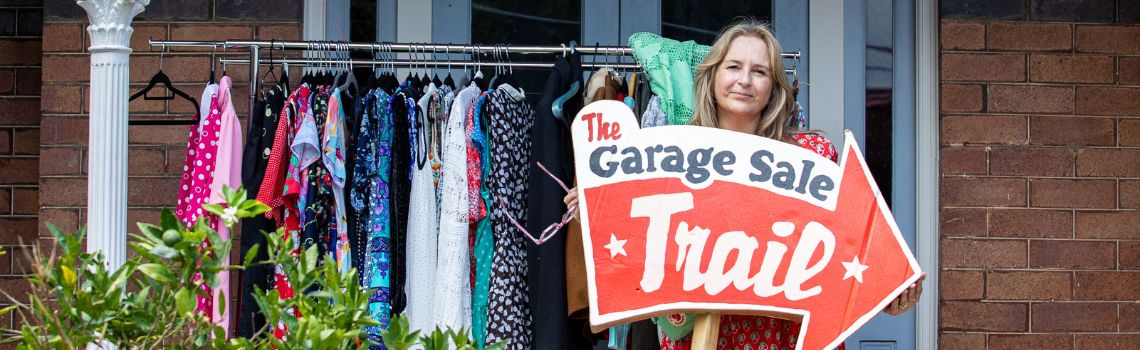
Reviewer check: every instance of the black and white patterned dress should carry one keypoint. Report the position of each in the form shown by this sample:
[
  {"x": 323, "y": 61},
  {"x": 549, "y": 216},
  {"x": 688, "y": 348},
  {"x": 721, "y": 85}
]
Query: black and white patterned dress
[{"x": 508, "y": 314}]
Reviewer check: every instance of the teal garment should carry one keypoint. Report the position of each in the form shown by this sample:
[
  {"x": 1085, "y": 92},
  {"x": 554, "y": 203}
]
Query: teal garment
[
  {"x": 484, "y": 238},
  {"x": 672, "y": 69}
]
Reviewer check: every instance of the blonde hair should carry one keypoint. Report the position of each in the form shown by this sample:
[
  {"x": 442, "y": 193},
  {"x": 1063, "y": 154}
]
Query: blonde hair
[{"x": 780, "y": 104}]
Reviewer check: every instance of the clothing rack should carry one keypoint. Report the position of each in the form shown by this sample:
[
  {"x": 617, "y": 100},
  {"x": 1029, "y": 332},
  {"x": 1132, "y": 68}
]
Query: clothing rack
[{"x": 255, "y": 46}]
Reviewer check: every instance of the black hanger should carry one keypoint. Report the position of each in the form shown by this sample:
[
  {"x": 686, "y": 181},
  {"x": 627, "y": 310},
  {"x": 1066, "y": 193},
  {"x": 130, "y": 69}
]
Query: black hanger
[
  {"x": 213, "y": 64},
  {"x": 161, "y": 78},
  {"x": 449, "y": 81},
  {"x": 269, "y": 72}
]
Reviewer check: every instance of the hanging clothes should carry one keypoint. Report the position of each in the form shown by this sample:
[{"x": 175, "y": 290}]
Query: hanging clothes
[
  {"x": 509, "y": 314},
  {"x": 483, "y": 251},
  {"x": 423, "y": 229},
  {"x": 317, "y": 204},
  {"x": 333, "y": 157},
  {"x": 289, "y": 177},
  {"x": 227, "y": 173},
  {"x": 403, "y": 107},
  {"x": 198, "y": 178},
  {"x": 373, "y": 174},
  {"x": 452, "y": 302},
  {"x": 547, "y": 262},
  {"x": 255, "y": 162}
]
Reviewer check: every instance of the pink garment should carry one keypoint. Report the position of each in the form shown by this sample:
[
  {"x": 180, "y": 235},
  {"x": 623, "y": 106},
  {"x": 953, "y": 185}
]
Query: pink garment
[
  {"x": 227, "y": 172},
  {"x": 197, "y": 177}
]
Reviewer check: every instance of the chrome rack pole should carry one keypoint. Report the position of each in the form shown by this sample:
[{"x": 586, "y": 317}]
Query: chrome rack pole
[{"x": 254, "y": 56}]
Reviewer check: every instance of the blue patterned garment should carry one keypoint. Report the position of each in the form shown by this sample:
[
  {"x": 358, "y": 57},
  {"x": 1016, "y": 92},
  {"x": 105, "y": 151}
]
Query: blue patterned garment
[{"x": 370, "y": 197}]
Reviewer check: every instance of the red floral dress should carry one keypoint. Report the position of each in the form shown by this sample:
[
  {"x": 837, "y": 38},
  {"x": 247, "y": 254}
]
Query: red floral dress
[{"x": 759, "y": 332}]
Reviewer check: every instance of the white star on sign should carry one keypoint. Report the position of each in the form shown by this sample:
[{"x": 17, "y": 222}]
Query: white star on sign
[
  {"x": 855, "y": 269},
  {"x": 616, "y": 246}
]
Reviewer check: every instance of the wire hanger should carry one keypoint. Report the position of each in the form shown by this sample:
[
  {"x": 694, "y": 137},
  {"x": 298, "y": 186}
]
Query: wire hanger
[{"x": 161, "y": 78}]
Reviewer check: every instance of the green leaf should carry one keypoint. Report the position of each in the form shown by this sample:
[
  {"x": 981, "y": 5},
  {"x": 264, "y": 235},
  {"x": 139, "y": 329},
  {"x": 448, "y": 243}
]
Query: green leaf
[
  {"x": 151, "y": 231},
  {"x": 251, "y": 255},
  {"x": 68, "y": 276},
  {"x": 213, "y": 209},
  {"x": 164, "y": 251},
  {"x": 158, "y": 272},
  {"x": 185, "y": 300}
]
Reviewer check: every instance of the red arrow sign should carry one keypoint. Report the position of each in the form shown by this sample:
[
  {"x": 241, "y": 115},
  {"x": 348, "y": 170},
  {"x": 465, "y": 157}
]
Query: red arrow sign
[{"x": 688, "y": 218}]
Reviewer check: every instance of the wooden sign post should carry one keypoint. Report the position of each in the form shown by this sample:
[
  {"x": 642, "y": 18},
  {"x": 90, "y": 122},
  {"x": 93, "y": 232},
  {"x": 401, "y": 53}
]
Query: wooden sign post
[{"x": 703, "y": 220}]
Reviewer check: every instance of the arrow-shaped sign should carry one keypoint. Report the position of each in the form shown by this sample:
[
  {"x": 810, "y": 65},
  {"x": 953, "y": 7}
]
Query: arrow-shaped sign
[{"x": 687, "y": 218}]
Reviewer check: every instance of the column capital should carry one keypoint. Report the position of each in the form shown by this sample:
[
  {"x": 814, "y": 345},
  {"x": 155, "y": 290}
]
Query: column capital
[{"x": 110, "y": 26}]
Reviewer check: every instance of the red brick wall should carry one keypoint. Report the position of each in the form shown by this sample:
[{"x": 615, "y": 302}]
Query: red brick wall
[
  {"x": 155, "y": 152},
  {"x": 20, "y": 32},
  {"x": 1040, "y": 175}
]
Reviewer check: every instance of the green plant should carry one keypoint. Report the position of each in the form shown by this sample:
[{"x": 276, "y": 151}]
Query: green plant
[{"x": 149, "y": 302}]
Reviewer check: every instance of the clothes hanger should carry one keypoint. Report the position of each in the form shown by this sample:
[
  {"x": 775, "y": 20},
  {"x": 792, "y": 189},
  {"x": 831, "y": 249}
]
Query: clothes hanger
[
  {"x": 478, "y": 75},
  {"x": 213, "y": 65},
  {"x": 435, "y": 77},
  {"x": 557, "y": 105},
  {"x": 509, "y": 70},
  {"x": 269, "y": 72},
  {"x": 449, "y": 81},
  {"x": 425, "y": 81},
  {"x": 161, "y": 78}
]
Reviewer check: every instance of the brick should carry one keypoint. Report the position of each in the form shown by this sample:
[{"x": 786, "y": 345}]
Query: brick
[
  {"x": 63, "y": 130},
  {"x": 1031, "y": 223},
  {"x": 961, "y": 285},
  {"x": 26, "y": 142},
  {"x": 1129, "y": 70},
  {"x": 140, "y": 39},
  {"x": 157, "y": 135},
  {"x": 1112, "y": 162},
  {"x": 22, "y": 261},
  {"x": 963, "y": 160},
  {"x": 961, "y": 98},
  {"x": 5, "y": 201},
  {"x": 1100, "y": 11},
  {"x": 1027, "y": 36},
  {"x": 961, "y": 341},
  {"x": 1030, "y": 99},
  {"x": 983, "y": 67},
  {"x": 983, "y": 192},
  {"x": 1107, "y": 285},
  {"x": 141, "y": 105},
  {"x": 65, "y": 219},
  {"x": 1032, "y": 161},
  {"x": 20, "y": 111},
  {"x": 19, "y": 171},
  {"x": 15, "y": 231},
  {"x": 183, "y": 109},
  {"x": 1108, "y": 101},
  {"x": 190, "y": 69},
  {"x": 28, "y": 81},
  {"x": 963, "y": 222},
  {"x": 1130, "y": 317},
  {"x": 60, "y": 161},
  {"x": 135, "y": 216},
  {"x": 17, "y": 286},
  {"x": 152, "y": 191},
  {"x": 65, "y": 37},
  {"x": 63, "y": 99},
  {"x": 279, "y": 32},
  {"x": 26, "y": 201},
  {"x": 1129, "y": 255},
  {"x": 1072, "y": 131},
  {"x": 63, "y": 191},
  {"x": 146, "y": 160},
  {"x": 185, "y": 10},
  {"x": 982, "y": 9},
  {"x": 1124, "y": 40},
  {"x": 287, "y": 10},
  {"x": 20, "y": 52},
  {"x": 977, "y": 316},
  {"x": 1081, "y": 193},
  {"x": 1072, "y": 69},
  {"x": 5, "y": 141},
  {"x": 982, "y": 253},
  {"x": 1030, "y": 341},
  {"x": 71, "y": 68},
  {"x": 962, "y": 35},
  {"x": 1072, "y": 255},
  {"x": 1107, "y": 341},
  {"x": 1129, "y": 194},
  {"x": 1108, "y": 224},
  {"x": 7, "y": 81},
  {"x": 1011, "y": 285},
  {"x": 983, "y": 129},
  {"x": 1130, "y": 132},
  {"x": 209, "y": 31}
]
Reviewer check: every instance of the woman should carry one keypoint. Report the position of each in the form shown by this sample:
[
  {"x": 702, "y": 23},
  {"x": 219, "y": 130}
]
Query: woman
[{"x": 740, "y": 86}]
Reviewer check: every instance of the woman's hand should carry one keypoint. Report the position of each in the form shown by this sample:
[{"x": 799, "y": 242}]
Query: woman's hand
[
  {"x": 571, "y": 201},
  {"x": 907, "y": 300}
]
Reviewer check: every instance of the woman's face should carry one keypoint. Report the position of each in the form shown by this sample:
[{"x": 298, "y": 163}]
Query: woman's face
[{"x": 743, "y": 80}]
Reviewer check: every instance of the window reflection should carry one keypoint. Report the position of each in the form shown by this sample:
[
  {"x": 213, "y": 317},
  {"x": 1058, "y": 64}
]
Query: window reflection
[{"x": 701, "y": 21}]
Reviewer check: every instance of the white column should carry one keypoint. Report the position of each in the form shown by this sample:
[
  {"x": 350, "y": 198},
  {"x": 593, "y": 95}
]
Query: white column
[{"x": 110, "y": 32}]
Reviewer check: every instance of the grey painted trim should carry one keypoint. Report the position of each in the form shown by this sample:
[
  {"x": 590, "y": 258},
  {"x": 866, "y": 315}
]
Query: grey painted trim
[
  {"x": 926, "y": 159},
  {"x": 601, "y": 21},
  {"x": 639, "y": 16},
  {"x": 825, "y": 41},
  {"x": 314, "y": 25},
  {"x": 337, "y": 21},
  {"x": 855, "y": 69},
  {"x": 790, "y": 22},
  {"x": 386, "y": 12}
]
